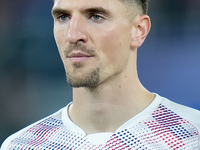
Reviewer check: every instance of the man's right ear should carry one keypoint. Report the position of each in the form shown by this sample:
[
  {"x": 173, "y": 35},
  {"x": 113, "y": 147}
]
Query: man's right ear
[{"x": 140, "y": 30}]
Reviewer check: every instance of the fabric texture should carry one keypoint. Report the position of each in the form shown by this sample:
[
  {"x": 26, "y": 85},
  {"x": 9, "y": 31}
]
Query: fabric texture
[{"x": 167, "y": 127}]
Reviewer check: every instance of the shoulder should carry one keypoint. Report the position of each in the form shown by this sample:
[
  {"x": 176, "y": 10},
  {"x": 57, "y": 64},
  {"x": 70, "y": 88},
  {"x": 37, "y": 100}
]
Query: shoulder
[
  {"x": 52, "y": 117},
  {"x": 179, "y": 117},
  {"x": 190, "y": 114}
]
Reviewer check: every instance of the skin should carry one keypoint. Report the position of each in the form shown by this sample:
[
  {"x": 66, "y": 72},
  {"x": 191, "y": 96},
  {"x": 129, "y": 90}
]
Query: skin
[{"x": 113, "y": 39}]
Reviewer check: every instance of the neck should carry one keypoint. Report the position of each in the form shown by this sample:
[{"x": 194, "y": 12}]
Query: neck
[
  {"x": 114, "y": 101},
  {"x": 106, "y": 107}
]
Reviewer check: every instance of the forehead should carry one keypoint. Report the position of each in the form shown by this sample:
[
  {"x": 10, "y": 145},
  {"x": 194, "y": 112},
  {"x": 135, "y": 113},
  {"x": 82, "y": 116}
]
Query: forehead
[{"x": 111, "y": 5}]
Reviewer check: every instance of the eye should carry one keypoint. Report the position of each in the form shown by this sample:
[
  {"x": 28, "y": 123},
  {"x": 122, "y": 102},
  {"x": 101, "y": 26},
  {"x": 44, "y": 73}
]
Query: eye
[
  {"x": 96, "y": 17},
  {"x": 63, "y": 17}
]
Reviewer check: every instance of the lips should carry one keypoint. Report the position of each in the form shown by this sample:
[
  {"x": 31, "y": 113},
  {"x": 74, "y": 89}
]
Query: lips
[{"x": 78, "y": 57}]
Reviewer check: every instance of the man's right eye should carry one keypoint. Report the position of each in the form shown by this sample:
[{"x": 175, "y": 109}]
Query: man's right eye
[{"x": 63, "y": 17}]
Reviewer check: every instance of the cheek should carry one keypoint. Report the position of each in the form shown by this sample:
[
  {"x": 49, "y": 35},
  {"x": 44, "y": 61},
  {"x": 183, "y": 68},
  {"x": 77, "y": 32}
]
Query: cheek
[
  {"x": 59, "y": 35},
  {"x": 115, "y": 47}
]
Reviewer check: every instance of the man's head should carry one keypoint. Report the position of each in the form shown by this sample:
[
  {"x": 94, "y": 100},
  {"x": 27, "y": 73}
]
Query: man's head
[
  {"x": 132, "y": 5},
  {"x": 97, "y": 40}
]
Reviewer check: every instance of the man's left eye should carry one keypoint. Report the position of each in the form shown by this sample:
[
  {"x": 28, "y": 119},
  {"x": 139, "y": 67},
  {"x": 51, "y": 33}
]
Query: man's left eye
[{"x": 96, "y": 17}]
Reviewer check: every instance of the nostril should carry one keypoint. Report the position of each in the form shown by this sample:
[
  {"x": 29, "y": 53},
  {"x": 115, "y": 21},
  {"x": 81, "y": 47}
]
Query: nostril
[
  {"x": 75, "y": 35},
  {"x": 81, "y": 40}
]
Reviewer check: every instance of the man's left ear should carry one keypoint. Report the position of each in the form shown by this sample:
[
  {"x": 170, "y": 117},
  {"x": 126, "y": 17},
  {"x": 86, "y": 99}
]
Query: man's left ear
[{"x": 140, "y": 30}]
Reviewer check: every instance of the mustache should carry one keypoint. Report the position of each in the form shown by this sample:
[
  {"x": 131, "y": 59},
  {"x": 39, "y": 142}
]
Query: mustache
[{"x": 81, "y": 47}]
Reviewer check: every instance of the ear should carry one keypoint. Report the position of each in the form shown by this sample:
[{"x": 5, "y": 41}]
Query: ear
[{"x": 140, "y": 30}]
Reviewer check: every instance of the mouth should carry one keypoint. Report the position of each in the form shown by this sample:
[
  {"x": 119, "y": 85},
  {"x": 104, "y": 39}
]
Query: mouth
[{"x": 77, "y": 57}]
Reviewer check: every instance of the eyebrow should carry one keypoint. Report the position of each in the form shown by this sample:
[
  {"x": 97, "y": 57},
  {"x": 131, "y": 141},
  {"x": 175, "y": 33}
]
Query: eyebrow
[
  {"x": 56, "y": 11},
  {"x": 100, "y": 10}
]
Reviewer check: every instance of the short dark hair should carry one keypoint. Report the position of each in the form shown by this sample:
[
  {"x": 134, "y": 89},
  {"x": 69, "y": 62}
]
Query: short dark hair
[
  {"x": 141, "y": 4},
  {"x": 144, "y": 4}
]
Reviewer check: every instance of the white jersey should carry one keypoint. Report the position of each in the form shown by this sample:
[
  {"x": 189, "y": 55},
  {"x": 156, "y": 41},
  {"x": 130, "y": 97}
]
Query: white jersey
[{"x": 163, "y": 125}]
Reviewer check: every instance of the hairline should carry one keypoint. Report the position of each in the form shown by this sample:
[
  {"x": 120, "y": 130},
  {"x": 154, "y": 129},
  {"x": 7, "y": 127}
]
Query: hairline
[
  {"x": 134, "y": 8},
  {"x": 144, "y": 10}
]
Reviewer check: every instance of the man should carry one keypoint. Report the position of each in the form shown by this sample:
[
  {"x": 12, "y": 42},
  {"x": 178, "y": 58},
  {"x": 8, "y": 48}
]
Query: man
[{"x": 97, "y": 42}]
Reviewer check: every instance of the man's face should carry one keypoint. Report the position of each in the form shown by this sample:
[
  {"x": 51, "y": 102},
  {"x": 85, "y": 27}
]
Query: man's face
[{"x": 93, "y": 38}]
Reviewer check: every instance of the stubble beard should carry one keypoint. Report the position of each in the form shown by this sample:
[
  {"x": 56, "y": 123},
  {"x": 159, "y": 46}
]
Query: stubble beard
[
  {"x": 89, "y": 79},
  {"x": 79, "y": 76}
]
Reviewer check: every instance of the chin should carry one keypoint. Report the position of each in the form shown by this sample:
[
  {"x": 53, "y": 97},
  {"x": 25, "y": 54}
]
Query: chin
[{"x": 90, "y": 79}]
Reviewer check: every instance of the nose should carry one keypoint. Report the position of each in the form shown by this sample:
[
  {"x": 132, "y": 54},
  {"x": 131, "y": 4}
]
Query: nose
[{"x": 76, "y": 31}]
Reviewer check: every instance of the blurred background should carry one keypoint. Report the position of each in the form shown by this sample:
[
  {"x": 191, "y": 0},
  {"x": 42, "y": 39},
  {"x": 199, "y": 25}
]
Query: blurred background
[{"x": 32, "y": 77}]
